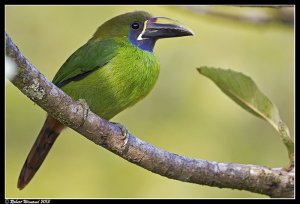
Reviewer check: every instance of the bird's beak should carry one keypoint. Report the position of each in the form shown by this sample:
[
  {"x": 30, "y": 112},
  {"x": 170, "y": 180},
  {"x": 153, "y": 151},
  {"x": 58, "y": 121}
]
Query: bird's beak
[{"x": 162, "y": 27}]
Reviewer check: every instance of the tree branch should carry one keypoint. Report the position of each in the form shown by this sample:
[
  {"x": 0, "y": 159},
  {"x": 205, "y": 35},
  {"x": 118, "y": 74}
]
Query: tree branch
[
  {"x": 254, "y": 178},
  {"x": 283, "y": 14}
]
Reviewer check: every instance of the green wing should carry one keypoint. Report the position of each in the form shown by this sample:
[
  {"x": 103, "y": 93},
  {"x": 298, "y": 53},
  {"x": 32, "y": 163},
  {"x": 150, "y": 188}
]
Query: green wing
[{"x": 89, "y": 57}]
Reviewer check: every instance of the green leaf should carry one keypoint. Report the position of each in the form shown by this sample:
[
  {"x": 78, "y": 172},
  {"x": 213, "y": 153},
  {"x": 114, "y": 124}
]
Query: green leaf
[{"x": 243, "y": 91}]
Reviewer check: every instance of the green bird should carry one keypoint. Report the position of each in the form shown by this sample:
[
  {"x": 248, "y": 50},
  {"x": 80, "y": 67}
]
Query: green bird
[{"x": 114, "y": 70}]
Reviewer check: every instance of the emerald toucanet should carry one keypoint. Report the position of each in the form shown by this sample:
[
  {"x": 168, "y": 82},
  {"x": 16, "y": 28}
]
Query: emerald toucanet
[{"x": 114, "y": 70}]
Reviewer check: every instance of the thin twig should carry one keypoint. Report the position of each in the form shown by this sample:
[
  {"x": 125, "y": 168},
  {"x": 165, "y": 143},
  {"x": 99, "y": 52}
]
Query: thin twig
[{"x": 281, "y": 13}]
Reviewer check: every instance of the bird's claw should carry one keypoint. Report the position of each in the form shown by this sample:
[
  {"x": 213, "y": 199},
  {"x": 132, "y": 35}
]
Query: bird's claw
[
  {"x": 85, "y": 107},
  {"x": 125, "y": 132}
]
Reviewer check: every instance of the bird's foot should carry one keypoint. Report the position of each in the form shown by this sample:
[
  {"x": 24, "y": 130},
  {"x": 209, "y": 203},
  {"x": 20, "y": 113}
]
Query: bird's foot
[
  {"x": 124, "y": 131},
  {"x": 85, "y": 107}
]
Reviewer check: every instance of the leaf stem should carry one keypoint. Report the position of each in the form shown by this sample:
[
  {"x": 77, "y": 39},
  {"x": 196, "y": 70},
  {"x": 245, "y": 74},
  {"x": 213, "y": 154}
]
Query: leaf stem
[{"x": 287, "y": 141}]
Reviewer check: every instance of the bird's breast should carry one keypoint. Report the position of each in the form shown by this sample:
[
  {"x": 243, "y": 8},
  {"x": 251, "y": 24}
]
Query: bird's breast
[
  {"x": 132, "y": 74},
  {"x": 121, "y": 83}
]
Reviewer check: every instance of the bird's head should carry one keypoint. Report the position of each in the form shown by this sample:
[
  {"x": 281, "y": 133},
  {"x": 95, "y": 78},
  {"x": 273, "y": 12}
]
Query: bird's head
[{"x": 140, "y": 29}]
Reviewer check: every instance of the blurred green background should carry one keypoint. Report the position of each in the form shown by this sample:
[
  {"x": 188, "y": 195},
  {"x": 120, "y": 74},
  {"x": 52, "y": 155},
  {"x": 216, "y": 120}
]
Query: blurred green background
[{"x": 185, "y": 113}]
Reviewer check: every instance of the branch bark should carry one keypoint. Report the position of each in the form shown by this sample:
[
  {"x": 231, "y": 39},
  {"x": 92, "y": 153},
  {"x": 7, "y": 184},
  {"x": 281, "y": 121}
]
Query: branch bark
[{"x": 254, "y": 178}]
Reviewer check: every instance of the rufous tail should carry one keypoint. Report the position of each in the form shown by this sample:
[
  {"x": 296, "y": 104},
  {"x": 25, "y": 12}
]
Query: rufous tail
[{"x": 39, "y": 150}]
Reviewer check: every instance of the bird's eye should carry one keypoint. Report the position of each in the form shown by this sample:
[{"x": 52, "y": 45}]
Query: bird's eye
[{"x": 135, "y": 26}]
